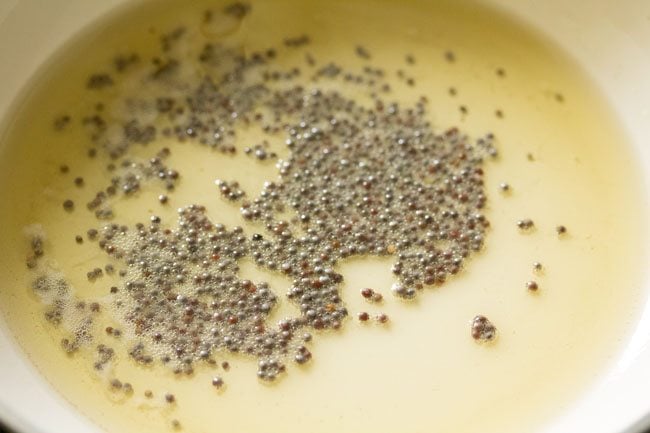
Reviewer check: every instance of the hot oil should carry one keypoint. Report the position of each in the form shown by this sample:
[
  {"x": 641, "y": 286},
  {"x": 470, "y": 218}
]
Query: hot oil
[{"x": 559, "y": 149}]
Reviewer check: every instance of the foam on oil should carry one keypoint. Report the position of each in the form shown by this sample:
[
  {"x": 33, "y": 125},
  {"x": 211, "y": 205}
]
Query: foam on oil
[{"x": 567, "y": 164}]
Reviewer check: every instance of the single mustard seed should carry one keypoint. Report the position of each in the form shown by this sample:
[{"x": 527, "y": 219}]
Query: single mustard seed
[
  {"x": 78, "y": 239},
  {"x": 450, "y": 56},
  {"x": 532, "y": 286},
  {"x": 68, "y": 205},
  {"x": 362, "y": 52},
  {"x": 217, "y": 382},
  {"x": 382, "y": 318},
  {"x": 367, "y": 293},
  {"x": 560, "y": 230},
  {"x": 482, "y": 329},
  {"x": 525, "y": 224},
  {"x": 363, "y": 317},
  {"x": 170, "y": 398},
  {"x": 79, "y": 181},
  {"x": 92, "y": 234}
]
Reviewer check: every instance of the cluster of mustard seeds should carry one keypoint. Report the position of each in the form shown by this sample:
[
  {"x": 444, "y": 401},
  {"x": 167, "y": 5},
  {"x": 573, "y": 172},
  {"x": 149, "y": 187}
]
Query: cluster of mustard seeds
[
  {"x": 371, "y": 179},
  {"x": 362, "y": 176}
]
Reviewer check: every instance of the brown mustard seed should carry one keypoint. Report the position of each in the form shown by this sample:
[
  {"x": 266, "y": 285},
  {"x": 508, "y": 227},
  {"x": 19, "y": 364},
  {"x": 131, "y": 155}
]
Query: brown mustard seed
[
  {"x": 363, "y": 317},
  {"x": 217, "y": 382},
  {"x": 382, "y": 318},
  {"x": 482, "y": 329},
  {"x": 362, "y": 52},
  {"x": 450, "y": 56},
  {"x": 68, "y": 205},
  {"x": 525, "y": 224},
  {"x": 560, "y": 230},
  {"x": 532, "y": 286}
]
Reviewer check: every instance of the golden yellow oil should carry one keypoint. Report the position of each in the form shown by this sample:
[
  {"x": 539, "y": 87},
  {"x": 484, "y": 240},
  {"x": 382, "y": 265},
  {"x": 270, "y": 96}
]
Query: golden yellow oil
[{"x": 565, "y": 159}]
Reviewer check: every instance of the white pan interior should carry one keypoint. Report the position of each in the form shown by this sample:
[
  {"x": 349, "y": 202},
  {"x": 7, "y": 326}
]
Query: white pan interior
[{"x": 611, "y": 40}]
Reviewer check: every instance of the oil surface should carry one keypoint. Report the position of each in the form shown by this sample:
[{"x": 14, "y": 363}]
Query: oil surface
[{"x": 564, "y": 157}]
